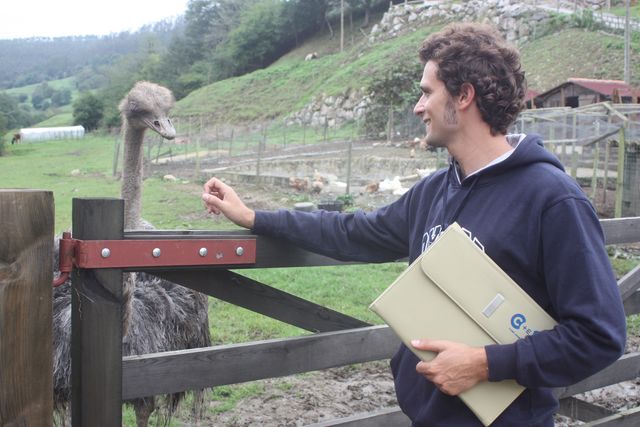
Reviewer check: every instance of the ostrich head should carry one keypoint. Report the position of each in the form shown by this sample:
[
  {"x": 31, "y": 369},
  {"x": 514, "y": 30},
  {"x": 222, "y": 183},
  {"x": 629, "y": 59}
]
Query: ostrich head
[{"x": 147, "y": 105}]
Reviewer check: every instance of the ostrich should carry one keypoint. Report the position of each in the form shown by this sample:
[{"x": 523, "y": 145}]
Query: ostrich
[{"x": 157, "y": 315}]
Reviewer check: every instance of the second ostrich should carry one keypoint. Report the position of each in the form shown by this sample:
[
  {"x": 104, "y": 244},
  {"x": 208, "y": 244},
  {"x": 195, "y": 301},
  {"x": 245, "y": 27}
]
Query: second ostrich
[{"x": 157, "y": 315}]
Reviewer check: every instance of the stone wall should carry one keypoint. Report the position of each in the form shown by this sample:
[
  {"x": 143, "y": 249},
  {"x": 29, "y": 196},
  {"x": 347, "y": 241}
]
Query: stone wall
[
  {"x": 518, "y": 21},
  {"x": 332, "y": 111}
]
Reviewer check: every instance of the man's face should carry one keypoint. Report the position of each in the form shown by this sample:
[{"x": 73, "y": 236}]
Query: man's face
[{"x": 436, "y": 108}]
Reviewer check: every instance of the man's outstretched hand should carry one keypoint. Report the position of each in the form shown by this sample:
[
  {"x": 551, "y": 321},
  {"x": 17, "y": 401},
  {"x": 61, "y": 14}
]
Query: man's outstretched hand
[{"x": 219, "y": 198}]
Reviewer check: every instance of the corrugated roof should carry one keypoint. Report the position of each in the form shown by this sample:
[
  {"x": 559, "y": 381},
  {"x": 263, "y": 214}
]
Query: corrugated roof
[{"x": 605, "y": 87}]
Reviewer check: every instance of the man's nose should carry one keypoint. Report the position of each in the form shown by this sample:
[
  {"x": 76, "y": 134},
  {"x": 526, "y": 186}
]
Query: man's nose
[{"x": 419, "y": 108}]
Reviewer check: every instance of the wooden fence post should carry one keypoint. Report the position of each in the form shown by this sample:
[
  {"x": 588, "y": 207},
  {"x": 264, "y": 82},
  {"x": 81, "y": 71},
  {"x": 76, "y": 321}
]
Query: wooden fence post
[
  {"x": 96, "y": 337},
  {"x": 620, "y": 176},
  {"x": 26, "y": 256}
]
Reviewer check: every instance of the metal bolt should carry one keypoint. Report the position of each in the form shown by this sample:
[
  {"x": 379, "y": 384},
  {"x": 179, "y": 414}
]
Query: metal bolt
[
  {"x": 239, "y": 251},
  {"x": 156, "y": 252},
  {"x": 105, "y": 253},
  {"x": 203, "y": 252}
]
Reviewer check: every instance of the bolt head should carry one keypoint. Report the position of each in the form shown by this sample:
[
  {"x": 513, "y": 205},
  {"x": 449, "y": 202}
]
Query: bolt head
[
  {"x": 239, "y": 251},
  {"x": 105, "y": 253},
  {"x": 203, "y": 252},
  {"x": 156, "y": 252}
]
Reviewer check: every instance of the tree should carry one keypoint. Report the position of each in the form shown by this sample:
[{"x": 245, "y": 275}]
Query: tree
[
  {"x": 40, "y": 94},
  {"x": 88, "y": 111},
  {"x": 61, "y": 97},
  {"x": 15, "y": 117}
]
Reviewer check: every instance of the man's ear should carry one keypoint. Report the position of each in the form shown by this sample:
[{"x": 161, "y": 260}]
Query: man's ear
[{"x": 467, "y": 95}]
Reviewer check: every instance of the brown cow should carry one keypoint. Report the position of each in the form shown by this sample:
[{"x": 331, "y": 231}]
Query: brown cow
[{"x": 16, "y": 138}]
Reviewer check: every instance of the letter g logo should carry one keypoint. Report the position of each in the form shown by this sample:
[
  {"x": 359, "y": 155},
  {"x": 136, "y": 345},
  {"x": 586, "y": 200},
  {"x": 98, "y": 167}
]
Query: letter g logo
[{"x": 518, "y": 320}]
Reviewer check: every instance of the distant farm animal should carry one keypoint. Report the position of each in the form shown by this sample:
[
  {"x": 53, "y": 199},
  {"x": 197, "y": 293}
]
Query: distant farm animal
[
  {"x": 16, "y": 138},
  {"x": 157, "y": 315},
  {"x": 310, "y": 56},
  {"x": 300, "y": 184}
]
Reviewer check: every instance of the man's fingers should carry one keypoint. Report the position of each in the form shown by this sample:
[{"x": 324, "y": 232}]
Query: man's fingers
[
  {"x": 212, "y": 185},
  {"x": 212, "y": 201},
  {"x": 430, "y": 345}
]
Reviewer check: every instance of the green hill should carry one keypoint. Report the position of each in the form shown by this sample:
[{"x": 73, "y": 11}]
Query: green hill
[
  {"x": 291, "y": 83},
  {"x": 574, "y": 52}
]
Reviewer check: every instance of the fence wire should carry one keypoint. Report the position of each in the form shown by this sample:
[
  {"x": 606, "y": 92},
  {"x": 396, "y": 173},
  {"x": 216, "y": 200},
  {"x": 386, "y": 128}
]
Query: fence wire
[{"x": 588, "y": 140}]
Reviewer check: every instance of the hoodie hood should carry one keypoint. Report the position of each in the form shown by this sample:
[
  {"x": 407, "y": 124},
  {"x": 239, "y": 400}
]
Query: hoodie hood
[{"x": 528, "y": 149}]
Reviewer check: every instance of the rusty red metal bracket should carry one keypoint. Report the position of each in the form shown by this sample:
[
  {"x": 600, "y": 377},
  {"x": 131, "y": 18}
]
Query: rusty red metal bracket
[{"x": 152, "y": 253}]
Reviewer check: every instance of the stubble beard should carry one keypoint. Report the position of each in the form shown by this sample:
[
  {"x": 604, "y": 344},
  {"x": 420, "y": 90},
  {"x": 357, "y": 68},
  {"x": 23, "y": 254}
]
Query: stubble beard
[{"x": 449, "y": 118}]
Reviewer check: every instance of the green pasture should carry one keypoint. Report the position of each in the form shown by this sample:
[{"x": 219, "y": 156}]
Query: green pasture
[
  {"x": 66, "y": 83},
  {"x": 83, "y": 168}
]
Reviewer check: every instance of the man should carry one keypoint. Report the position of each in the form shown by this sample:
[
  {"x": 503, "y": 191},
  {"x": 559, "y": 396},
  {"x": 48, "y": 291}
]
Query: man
[{"x": 509, "y": 194}]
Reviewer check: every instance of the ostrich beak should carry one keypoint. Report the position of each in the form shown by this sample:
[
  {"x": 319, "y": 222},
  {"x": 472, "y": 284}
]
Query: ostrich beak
[{"x": 162, "y": 126}]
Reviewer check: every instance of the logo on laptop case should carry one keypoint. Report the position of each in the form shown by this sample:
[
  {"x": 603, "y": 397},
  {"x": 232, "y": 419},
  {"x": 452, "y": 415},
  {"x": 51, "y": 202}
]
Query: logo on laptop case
[{"x": 519, "y": 326}]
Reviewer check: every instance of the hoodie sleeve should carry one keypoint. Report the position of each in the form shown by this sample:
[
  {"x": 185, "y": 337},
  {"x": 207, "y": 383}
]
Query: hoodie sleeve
[
  {"x": 584, "y": 295},
  {"x": 379, "y": 236}
]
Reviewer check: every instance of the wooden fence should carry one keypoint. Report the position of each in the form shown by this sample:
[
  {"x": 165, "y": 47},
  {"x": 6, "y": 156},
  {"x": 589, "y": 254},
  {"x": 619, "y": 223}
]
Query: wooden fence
[{"x": 101, "y": 378}]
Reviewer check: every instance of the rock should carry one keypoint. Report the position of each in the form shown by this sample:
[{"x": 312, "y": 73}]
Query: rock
[{"x": 304, "y": 206}]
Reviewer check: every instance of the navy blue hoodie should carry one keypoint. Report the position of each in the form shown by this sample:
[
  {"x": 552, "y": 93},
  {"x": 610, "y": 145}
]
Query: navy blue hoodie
[{"x": 535, "y": 222}]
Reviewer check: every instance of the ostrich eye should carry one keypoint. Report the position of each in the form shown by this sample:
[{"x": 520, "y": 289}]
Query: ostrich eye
[
  {"x": 156, "y": 123},
  {"x": 169, "y": 120}
]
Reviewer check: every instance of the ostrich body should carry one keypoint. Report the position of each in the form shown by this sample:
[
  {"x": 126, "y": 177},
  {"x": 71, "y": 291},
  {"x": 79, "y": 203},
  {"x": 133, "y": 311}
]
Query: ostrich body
[{"x": 158, "y": 315}]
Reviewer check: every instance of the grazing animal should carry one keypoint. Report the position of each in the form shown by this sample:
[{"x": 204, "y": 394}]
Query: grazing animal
[
  {"x": 310, "y": 56},
  {"x": 300, "y": 184},
  {"x": 16, "y": 138},
  {"x": 157, "y": 315}
]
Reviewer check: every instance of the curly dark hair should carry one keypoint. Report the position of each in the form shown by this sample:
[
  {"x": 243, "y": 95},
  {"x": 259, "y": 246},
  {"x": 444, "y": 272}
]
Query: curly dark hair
[{"x": 479, "y": 55}]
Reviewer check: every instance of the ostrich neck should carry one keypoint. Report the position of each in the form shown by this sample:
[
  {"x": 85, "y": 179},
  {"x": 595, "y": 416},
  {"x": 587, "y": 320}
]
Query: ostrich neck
[{"x": 132, "y": 175}]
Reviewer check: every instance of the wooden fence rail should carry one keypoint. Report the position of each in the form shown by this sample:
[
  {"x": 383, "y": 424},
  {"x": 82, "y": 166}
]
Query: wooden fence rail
[
  {"x": 338, "y": 339},
  {"x": 101, "y": 378}
]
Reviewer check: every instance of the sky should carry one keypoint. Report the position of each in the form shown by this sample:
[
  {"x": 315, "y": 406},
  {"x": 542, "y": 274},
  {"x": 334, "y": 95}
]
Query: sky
[{"x": 57, "y": 18}]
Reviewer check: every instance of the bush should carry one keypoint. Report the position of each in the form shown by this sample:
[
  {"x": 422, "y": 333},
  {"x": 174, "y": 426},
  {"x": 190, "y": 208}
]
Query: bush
[
  {"x": 88, "y": 111},
  {"x": 392, "y": 92}
]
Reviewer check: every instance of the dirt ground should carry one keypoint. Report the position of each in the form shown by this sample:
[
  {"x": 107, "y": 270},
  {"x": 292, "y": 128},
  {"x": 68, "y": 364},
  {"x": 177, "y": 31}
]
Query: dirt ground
[{"x": 341, "y": 392}]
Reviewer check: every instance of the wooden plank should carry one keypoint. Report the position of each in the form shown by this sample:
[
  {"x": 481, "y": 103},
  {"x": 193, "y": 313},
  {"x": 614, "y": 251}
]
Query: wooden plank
[
  {"x": 26, "y": 254},
  {"x": 632, "y": 304},
  {"x": 176, "y": 371},
  {"x": 580, "y": 410},
  {"x": 624, "y": 369},
  {"x": 270, "y": 252},
  {"x": 628, "y": 418},
  {"x": 388, "y": 417},
  {"x": 621, "y": 230},
  {"x": 629, "y": 283},
  {"x": 96, "y": 337},
  {"x": 244, "y": 292}
]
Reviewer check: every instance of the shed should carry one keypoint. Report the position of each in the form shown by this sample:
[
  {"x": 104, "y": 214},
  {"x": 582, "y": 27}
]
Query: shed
[
  {"x": 43, "y": 134},
  {"x": 577, "y": 92}
]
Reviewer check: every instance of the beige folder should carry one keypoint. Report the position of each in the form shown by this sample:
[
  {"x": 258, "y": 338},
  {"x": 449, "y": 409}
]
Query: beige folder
[{"x": 455, "y": 292}]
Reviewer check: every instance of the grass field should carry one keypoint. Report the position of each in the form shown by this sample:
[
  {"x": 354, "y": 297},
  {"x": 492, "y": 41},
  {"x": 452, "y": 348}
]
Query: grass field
[{"x": 83, "y": 168}]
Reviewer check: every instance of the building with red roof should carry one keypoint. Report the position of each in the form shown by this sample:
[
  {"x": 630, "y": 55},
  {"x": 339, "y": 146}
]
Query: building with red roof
[{"x": 577, "y": 92}]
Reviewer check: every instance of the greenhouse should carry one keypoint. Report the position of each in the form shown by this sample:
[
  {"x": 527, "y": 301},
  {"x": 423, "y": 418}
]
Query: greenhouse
[{"x": 44, "y": 134}]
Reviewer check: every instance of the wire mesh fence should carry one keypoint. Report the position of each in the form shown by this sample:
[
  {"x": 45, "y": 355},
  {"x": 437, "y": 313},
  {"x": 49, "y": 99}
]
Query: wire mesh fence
[{"x": 597, "y": 144}]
